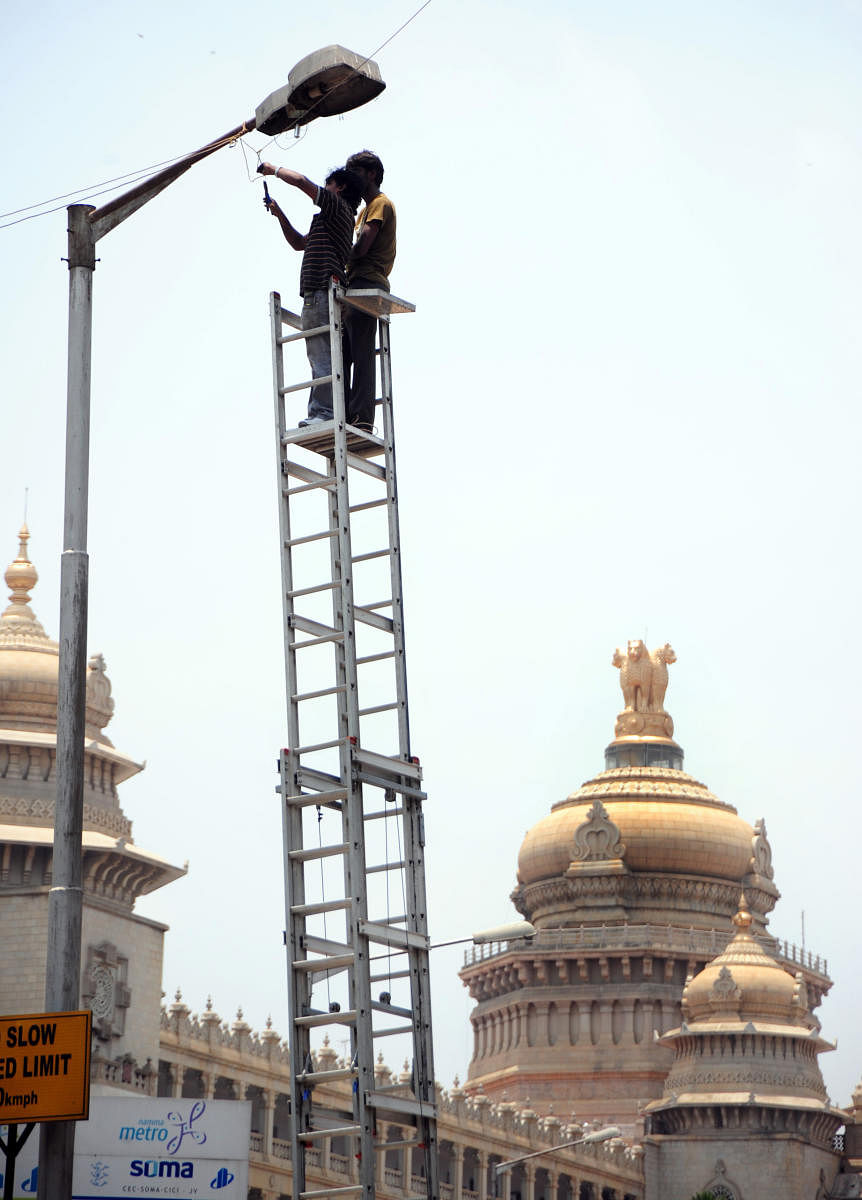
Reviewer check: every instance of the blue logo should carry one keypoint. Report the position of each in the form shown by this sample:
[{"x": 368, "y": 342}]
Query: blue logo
[
  {"x": 98, "y": 1174},
  {"x": 31, "y": 1185},
  {"x": 184, "y": 1128},
  {"x": 222, "y": 1179}
]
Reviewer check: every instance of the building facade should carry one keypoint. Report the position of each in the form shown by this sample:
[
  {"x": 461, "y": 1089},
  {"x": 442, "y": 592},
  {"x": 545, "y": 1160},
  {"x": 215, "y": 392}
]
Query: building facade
[{"x": 634, "y": 1005}]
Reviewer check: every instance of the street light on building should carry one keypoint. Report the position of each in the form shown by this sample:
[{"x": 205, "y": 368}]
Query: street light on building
[{"x": 328, "y": 82}]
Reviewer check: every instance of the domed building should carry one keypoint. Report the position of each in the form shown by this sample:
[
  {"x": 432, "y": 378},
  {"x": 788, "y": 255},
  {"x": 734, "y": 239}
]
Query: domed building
[
  {"x": 631, "y": 883},
  {"x": 744, "y": 1111},
  {"x": 121, "y": 963}
]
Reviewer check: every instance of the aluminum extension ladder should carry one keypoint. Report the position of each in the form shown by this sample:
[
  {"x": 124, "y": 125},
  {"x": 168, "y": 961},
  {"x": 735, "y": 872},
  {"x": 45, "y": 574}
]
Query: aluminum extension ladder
[{"x": 350, "y": 789}]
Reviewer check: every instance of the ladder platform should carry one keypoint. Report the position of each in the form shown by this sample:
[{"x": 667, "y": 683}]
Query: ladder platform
[
  {"x": 376, "y": 302},
  {"x": 320, "y": 438}
]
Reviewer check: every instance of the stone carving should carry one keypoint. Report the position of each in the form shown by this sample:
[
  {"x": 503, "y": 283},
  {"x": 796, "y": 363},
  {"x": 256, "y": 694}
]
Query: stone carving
[
  {"x": 761, "y": 852},
  {"x": 643, "y": 676},
  {"x": 635, "y": 675},
  {"x": 99, "y": 688},
  {"x": 724, "y": 993},
  {"x": 106, "y": 991},
  {"x": 597, "y": 839}
]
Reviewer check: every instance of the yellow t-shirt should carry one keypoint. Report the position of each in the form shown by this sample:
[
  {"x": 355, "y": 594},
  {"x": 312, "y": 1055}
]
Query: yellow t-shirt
[{"x": 376, "y": 265}]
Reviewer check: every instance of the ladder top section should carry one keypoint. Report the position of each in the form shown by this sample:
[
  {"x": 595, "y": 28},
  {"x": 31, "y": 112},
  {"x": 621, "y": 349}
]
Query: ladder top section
[{"x": 376, "y": 302}]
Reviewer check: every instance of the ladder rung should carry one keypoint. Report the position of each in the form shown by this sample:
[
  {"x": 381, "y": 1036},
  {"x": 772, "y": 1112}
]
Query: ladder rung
[
  {"x": 389, "y": 975},
  {"x": 386, "y": 936},
  {"x": 306, "y": 625},
  {"x": 322, "y": 966},
  {"x": 318, "y": 587},
  {"x": 306, "y": 333},
  {"x": 401, "y": 1104},
  {"x": 298, "y": 697},
  {"x": 329, "y": 484},
  {"x": 395, "y": 1012},
  {"x": 322, "y": 906},
  {"x": 314, "y": 852},
  {"x": 378, "y": 708},
  {"x": 334, "y": 1018},
  {"x": 367, "y": 658},
  {"x": 309, "y": 1135},
  {"x": 354, "y": 1190},
  {"x": 326, "y": 1076},
  {"x": 290, "y": 318},
  {"x": 391, "y": 921},
  {"x": 312, "y": 799},
  {"x": 302, "y": 471},
  {"x": 402, "y": 768},
  {"x": 396, "y": 866},
  {"x": 376, "y": 1033},
  {"x": 371, "y": 554},
  {"x": 368, "y": 504},
  {"x": 306, "y": 383},
  {"x": 384, "y": 812},
  {"x": 318, "y": 641},
  {"x": 380, "y": 781},
  {"x": 368, "y": 468},
  {"x": 372, "y": 618},
  {"x": 312, "y": 944},
  {"x": 310, "y": 537},
  {"x": 310, "y": 749}
]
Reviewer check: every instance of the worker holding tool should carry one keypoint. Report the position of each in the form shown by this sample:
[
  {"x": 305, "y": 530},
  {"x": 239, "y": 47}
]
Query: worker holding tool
[
  {"x": 369, "y": 265},
  {"x": 325, "y": 248}
]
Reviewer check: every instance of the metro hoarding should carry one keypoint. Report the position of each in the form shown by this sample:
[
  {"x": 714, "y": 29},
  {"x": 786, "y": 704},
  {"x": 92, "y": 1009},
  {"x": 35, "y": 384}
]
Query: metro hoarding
[{"x": 141, "y": 1147}]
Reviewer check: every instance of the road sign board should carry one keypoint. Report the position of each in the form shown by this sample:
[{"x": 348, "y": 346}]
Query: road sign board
[{"x": 45, "y": 1067}]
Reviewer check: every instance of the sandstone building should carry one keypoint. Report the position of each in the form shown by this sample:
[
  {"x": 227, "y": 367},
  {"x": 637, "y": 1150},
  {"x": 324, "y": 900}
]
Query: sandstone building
[{"x": 635, "y": 1003}]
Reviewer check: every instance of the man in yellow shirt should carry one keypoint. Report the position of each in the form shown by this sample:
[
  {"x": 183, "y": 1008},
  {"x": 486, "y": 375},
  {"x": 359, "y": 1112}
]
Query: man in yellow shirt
[{"x": 369, "y": 266}]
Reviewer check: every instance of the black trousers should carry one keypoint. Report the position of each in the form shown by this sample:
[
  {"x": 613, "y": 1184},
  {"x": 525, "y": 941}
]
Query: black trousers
[{"x": 360, "y": 372}]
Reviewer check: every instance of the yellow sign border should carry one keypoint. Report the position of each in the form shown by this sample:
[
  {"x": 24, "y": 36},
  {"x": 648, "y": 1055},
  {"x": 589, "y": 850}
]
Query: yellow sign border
[{"x": 80, "y": 1086}]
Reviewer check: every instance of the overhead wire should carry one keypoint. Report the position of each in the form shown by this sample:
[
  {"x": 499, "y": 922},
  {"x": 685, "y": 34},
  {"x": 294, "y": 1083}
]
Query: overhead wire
[{"x": 143, "y": 172}]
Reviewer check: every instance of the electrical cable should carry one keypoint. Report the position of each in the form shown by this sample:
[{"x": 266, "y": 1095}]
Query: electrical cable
[{"x": 143, "y": 172}]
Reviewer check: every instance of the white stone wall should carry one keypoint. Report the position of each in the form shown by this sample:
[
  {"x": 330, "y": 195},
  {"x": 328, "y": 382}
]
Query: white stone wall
[
  {"x": 141, "y": 942},
  {"x": 765, "y": 1167},
  {"x": 25, "y": 947}
]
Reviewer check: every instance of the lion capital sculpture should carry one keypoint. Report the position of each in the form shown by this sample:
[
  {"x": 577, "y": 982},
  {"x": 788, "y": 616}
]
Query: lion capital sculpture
[{"x": 644, "y": 676}]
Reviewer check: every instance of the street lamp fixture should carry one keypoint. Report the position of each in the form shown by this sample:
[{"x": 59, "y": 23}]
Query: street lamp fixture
[
  {"x": 516, "y": 931},
  {"x": 328, "y": 82},
  {"x": 598, "y": 1135}
]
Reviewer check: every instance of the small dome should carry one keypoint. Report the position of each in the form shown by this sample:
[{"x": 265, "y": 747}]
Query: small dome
[
  {"x": 29, "y": 662},
  {"x": 744, "y": 983}
]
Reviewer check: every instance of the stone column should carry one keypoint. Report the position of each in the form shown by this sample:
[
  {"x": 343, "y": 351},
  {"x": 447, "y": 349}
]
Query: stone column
[
  {"x": 529, "y": 1181},
  {"x": 627, "y": 1037},
  {"x": 380, "y": 1155},
  {"x": 458, "y": 1160},
  {"x": 507, "y": 1185},
  {"x": 177, "y": 1073},
  {"x": 209, "y": 1080},
  {"x": 268, "y": 1121},
  {"x": 553, "y": 1184},
  {"x": 483, "y": 1174}
]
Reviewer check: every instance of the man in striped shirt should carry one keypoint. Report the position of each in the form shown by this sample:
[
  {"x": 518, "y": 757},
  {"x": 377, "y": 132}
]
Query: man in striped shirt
[{"x": 325, "y": 248}]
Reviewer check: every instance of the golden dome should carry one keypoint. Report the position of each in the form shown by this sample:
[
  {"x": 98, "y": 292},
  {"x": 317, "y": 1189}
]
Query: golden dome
[
  {"x": 667, "y": 821},
  {"x": 745, "y": 983},
  {"x": 29, "y": 662}
]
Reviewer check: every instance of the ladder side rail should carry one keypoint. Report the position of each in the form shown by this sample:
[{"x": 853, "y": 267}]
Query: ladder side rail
[
  {"x": 412, "y": 820},
  {"x": 298, "y": 982},
  {"x": 400, "y": 661},
  {"x": 298, "y": 985},
  {"x": 352, "y": 812}
]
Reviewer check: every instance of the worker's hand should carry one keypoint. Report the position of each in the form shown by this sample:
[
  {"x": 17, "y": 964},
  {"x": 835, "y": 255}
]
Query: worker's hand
[
  {"x": 273, "y": 208},
  {"x": 265, "y": 168}
]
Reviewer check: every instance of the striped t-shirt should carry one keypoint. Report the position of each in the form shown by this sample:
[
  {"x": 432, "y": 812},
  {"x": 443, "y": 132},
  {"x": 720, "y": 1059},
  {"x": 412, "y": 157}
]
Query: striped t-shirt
[{"x": 327, "y": 243}]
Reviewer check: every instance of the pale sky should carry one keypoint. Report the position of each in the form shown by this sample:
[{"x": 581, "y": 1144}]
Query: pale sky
[{"x": 627, "y": 405}]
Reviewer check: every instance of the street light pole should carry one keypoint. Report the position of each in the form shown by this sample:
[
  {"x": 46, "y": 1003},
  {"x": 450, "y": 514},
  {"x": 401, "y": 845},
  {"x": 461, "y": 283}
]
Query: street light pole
[{"x": 326, "y": 83}]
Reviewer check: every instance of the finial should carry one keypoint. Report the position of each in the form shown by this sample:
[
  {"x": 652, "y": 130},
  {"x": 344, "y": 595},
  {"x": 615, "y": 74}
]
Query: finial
[
  {"x": 209, "y": 1007},
  {"x": 178, "y": 997},
  {"x": 743, "y": 918},
  {"x": 269, "y": 1026},
  {"x": 21, "y": 577}
]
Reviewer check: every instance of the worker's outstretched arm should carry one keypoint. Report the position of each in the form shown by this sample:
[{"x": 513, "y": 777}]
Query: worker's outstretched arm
[
  {"x": 292, "y": 177},
  {"x": 292, "y": 236}
]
